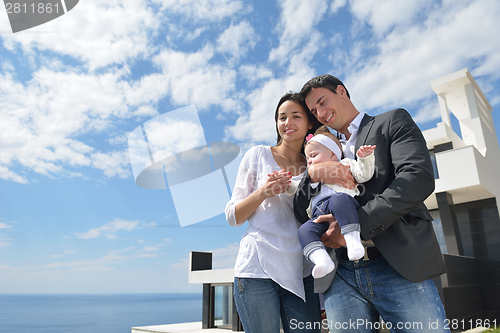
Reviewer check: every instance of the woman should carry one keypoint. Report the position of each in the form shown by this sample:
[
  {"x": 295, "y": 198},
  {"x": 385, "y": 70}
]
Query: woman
[{"x": 269, "y": 272}]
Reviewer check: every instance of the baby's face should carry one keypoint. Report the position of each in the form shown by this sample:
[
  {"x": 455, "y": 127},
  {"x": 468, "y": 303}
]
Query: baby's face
[{"x": 317, "y": 153}]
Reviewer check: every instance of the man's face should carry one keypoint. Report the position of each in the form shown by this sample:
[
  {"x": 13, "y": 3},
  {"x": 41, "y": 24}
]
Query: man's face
[{"x": 329, "y": 107}]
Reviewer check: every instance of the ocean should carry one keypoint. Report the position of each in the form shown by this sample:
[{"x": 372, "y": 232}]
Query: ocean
[{"x": 112, "y": 313}]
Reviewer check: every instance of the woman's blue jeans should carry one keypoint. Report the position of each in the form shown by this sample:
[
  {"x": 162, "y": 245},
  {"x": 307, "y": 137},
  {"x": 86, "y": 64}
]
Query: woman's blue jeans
[
  {"x": 363, "y": 290},
  {"x": 261, "y": 303}
]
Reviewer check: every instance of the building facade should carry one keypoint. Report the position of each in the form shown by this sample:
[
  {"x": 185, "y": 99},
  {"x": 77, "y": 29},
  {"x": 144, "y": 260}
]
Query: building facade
[{"x": 466, "y": 158}]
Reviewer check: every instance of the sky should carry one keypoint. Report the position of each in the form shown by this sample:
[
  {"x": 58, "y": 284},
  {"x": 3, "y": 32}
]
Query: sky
[{"x": 72, "y": 218}]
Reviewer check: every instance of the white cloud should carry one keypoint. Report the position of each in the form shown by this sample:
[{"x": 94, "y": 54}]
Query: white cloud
[
  {"x": 296, "y": 26},
  {"x": 5, "y": 226},
  {"x": 225, "y": 257},
  {"x": 43, "y": 119},
  {"x": 112, "y": 258},
  {"x": 170, "y": 136},
  {"x": 429, "y": 111},
  {"x": 109, "y": 229},
  {"x": 336, "y": 5},
  {"x": 222, "y": 151},
  {"x": 4, "y": 241},
  {"x": 182, "y": 32},
  {"x": 398, "y": 74},
  {"x": 258, "y": 125},
  {"x": 122, "y": 250},
  {"x": 253, "y": 73},
  {"x": 4, "y": 22},
  {"x": 93, "y": 269},
  {"x": 150, "y": 248},
  {"x": 119, "y": 140},
  {"x": 299, "y": 42},
  {"x": 7, "y": 174},
  {"x": 192, "y": 35},
  {"x": 410, "y": 58},
  {"x": 113, "y": 163},
  {"x": 65, "y": 253},
  {"x": 146, "y": 91},
  {"x": 145, "y": 255},
  {"x": 237, "y": 40},
  {"x": 192, "y": 79},
  {"x": 94, "y": 32},
  {"x": 204, "y": 10},
  {"x": 382, "y": 15}
]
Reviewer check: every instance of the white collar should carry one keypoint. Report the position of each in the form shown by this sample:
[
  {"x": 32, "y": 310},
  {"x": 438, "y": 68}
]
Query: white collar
[{"x": 354, "y": 126}]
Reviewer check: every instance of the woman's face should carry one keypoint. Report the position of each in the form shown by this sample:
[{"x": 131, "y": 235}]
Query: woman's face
[{"x": 292, "y": 122}]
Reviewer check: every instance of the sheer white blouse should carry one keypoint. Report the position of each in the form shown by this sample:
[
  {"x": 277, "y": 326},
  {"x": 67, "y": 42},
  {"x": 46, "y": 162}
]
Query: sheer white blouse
[{"x": 270, "y": 247}]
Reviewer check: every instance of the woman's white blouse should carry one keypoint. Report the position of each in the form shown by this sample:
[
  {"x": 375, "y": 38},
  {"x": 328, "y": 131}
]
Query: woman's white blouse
[{"x": 270, "y": 247}]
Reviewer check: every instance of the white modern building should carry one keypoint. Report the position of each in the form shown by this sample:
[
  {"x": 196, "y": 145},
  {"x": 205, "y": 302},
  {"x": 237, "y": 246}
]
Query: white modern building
[
  {"x": 468, "y": 162},
  {"x": 466, "y": 156},
  {"x": 218, "y": 308}
]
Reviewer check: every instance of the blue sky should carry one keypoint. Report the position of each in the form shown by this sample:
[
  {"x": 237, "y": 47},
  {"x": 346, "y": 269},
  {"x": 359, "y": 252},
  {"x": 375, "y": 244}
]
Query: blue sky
[{"x": 72, "y": 219}]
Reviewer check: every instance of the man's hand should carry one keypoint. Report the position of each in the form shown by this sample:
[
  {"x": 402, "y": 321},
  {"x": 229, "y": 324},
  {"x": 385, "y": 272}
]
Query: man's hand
[
  {"x": 332, "y": 237},
  {"x": 332, "y": 173}
]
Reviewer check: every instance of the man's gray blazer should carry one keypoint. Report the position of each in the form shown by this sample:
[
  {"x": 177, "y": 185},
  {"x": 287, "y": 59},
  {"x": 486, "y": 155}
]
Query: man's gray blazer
[{"x": 391, "y": 212}]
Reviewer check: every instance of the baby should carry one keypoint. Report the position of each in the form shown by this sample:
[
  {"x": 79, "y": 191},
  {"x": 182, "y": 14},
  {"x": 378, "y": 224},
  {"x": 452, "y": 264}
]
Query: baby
[{"x": 333, "y": 199}]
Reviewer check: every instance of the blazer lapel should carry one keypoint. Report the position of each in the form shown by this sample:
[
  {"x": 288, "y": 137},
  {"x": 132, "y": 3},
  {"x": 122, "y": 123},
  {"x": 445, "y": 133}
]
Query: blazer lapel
[{"x": 364, "y": 129}]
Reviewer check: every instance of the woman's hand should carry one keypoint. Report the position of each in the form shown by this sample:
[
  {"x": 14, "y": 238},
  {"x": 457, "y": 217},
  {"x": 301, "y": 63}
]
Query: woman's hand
[
  {"x": 276, "y": 183},
  {"x": 332, "y": 237}
]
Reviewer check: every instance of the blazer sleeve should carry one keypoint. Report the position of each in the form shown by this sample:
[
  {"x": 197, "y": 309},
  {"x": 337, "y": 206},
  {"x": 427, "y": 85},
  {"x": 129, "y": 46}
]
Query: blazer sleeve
[{"x": 410, "y": 182}]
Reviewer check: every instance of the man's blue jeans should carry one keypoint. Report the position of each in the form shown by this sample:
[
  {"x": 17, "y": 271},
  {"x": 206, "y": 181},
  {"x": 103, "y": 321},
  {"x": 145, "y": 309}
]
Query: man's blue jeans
[
  {"x": 262, "y": 302},
  {"x": 363, "y": 290}
]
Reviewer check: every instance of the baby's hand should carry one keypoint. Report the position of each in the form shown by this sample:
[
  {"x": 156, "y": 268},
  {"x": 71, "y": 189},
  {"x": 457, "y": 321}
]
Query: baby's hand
[{"x": 365, "y": 151}]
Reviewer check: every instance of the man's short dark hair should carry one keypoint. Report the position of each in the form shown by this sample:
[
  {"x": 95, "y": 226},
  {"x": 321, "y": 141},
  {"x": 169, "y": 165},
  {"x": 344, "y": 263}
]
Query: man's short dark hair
[{"x": 327, "y": 81}]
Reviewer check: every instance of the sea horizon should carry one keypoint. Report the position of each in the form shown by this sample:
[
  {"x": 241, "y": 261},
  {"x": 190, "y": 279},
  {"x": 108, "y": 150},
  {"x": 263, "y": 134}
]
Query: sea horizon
[{"x": 96, "y": 313}]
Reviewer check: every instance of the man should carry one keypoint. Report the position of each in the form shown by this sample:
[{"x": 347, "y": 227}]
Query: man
[{"x": 402, "y": 254}]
